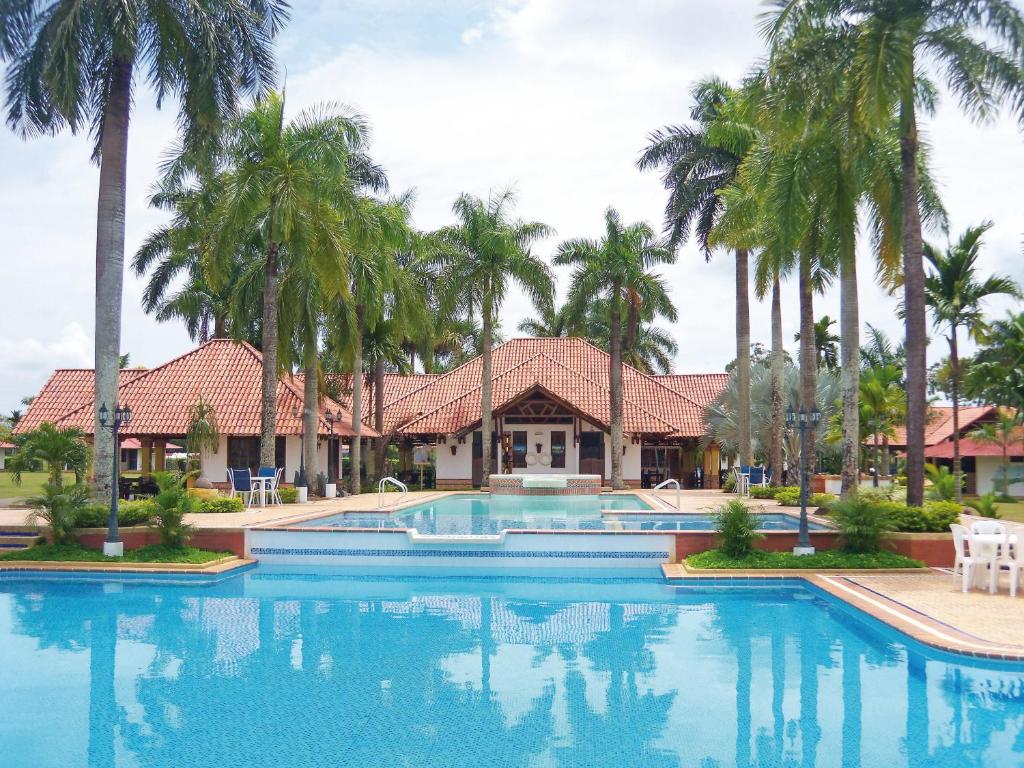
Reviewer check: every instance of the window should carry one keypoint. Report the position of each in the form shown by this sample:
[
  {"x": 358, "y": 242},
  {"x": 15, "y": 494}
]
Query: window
[
  {"x": 244, "y": 452},
  {"x": 558, "y": 450},
  {"x": 519, "y": 449}
]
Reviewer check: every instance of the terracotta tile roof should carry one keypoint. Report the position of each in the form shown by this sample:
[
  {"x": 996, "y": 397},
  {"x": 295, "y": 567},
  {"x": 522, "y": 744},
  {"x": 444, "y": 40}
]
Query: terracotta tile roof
[
  {"x": 227, "y": 373},
  {"x": 396, "y": 386},
  {"x": 939, "y": 426},
  {"x": 968, "y": 447},
  {"x": 702, "y": 388},
  {"x": 66, "y": 391},
  {"x": 568, "y": 369},
  {"x": 7, "y": 445}
]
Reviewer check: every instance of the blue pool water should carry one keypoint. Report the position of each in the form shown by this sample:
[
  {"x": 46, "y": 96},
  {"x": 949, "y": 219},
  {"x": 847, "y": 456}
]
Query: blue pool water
[
  {"x": 288, "y": 668},
  {"x": 483, "y": 515}
]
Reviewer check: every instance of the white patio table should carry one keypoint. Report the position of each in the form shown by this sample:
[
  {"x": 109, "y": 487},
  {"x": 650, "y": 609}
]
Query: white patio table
[
  {"x": 986, "y": 546},
  {"x": 262, "y": 484}
]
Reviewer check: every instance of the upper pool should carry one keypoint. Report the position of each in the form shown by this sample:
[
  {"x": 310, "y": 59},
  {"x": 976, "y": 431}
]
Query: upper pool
[
  {"x": 475, "y": 514},
  {"x": 302, "y": 668}
]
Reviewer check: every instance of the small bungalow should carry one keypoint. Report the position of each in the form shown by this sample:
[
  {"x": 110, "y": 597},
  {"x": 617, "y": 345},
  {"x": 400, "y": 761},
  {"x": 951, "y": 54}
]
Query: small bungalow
[
  {"x": 227, "y": 374},
  {"x": 6, "y": 449},
  {"x": 979, "y": 460},
  {"x": 551, "y": 415}
]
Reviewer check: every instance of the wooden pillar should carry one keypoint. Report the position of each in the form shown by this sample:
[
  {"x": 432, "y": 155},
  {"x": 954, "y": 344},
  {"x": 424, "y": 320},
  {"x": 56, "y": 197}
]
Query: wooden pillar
[
  {"x": 146, "y": 458},
  {"x": 711, "y": 464},
  {"x": 160, "y": 447}
]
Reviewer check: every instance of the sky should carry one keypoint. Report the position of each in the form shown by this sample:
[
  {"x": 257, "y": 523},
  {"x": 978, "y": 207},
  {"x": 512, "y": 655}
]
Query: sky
[{"x": 553, "y": 99}]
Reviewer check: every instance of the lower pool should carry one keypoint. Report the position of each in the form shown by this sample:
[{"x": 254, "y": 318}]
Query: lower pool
[
  {"x": 474, "y": 514},
  {"x": 306, "y": 667}
]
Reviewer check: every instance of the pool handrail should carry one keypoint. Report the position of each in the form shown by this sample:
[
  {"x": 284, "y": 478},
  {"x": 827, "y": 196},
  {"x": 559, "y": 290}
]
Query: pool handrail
[
  {"x": 670, "y": 481},
  {"x": 392, "y": 481}
]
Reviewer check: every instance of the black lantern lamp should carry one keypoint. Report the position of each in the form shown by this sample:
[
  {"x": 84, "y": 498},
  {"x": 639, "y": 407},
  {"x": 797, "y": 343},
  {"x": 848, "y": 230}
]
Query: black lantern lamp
[
  {"x": 113, "y": 546},
  {"x": 803, "y": 420}
]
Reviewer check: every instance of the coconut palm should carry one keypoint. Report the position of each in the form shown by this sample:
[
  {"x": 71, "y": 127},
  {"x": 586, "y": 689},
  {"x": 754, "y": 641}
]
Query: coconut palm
[
  {"x": 975, "y": 48},
  {"x": 617, "y": 269},
  {"x": 955, "y": 295},
  {"x": 883, "y": 406},
  {"x": 825, "y": 344},
  {"x": 291, "y": 181},
  {"x": 880, "y": 351},
  {"x": 997, "y": 370},
  {"x": 696, "y": 167},
  {"x": 1003, "y": 432},
  {"x": 482, "y": 254},
  {"x": 550, "y": 322},
  {"x": 72, "y": 66}
]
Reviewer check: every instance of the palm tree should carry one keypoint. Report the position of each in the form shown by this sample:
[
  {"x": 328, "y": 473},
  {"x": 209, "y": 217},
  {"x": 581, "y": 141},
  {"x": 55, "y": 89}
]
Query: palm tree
[
  {"x": 56, "y": 447},
  {"x": 696, "y": 167},
  {"x": 482, "y": 254},
  {"x": 616, "y": 269},
  {"x": 72, "y": 65},
  {"x": 825, "y": 350},
  {"x": 955, "y": 295},
  {"x": 883, "y": 405},
  {"x": 997, "y": 371},
  {"x": 1003, "y": 432},
  {"x": 550, "y": 323},
  {"x": 293, "y": 183},
  {"x": 879, "y": 351},
  {"x": 975, "y": 47}
]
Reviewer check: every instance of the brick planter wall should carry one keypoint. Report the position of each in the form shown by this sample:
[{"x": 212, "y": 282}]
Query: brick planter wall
[
  {"x": 933, "y": 549},
  {"x": 215, "y": 539}
]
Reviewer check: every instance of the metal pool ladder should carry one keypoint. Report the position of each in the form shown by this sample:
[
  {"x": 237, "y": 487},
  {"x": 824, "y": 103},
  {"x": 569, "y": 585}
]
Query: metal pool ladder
[
  {"x": 670, "y": 481},
  {"x": 392, "y": 481}
]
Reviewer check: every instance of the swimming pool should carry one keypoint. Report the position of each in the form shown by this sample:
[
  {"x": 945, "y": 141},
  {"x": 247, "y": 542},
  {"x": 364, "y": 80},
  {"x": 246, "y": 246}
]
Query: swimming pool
[
  {"x": 305, "y": 668},
  {"x": 472, "y": 514}
]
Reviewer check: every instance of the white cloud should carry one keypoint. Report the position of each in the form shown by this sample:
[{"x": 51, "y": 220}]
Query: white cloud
[{"x": 471, "y": 35}]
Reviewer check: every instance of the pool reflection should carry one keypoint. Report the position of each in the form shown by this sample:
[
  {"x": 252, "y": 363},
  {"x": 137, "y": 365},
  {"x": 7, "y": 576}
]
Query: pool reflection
[{"x": 303, "y": 672}]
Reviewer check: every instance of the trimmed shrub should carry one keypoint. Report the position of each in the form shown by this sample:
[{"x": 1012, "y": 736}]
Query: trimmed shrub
[
  {"x": 763, "y": 492},
  {"x": 288, "y": 495},
  {"x": 934, "y": 517},
  {"x": 736, "y": 528},
  {"x": 823, "y": 500},
  {"x": 862, "y": 523},
  {"x": 129, "y": 513},
  {"x": 788, "y": 497},
  {"x": 729, "y": 484},
  {"x": 221, "y": 504}
]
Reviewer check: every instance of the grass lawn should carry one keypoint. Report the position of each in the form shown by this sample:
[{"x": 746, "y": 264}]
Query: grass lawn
[
  {"x": 1012, "y": 512},
  {"x": 31, "y": 484},
  {"x": 823, "y": 559},
  {"x": 154, "y": 553}
]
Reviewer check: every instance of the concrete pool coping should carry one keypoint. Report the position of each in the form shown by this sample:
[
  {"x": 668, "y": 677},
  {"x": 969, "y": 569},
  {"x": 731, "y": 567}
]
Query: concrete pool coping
[
  {"x": 882, "y": 605},
  {"x": 215, "y": 567}
]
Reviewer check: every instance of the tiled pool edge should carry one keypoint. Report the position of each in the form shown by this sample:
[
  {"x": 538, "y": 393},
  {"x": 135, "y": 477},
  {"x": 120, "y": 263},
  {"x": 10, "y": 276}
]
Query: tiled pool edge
[
  {"x": 221, "y": 568},
  {"x": 916, "y": 625}
]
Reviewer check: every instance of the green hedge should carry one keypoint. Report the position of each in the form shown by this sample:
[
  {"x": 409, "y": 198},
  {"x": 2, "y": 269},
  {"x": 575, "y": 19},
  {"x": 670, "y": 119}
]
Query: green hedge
[
  {"x": 288, "y": 494},
  {"x": 129, "y": 513},
  {"x": 221, "y": 504},
  {"x": 788, "y": 497},
  {"x": 819, "y": 560},
  {"x": 763, "y": 492}
]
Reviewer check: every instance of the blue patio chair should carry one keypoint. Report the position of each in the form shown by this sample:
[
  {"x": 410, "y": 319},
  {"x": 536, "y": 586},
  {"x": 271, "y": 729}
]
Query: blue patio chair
[
  {"x": 241, "y": 485},
  {"x": 756, "y": 475}
]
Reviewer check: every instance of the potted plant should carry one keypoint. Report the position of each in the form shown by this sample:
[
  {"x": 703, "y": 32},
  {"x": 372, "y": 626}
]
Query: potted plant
[{"x": 203, "y": 436}]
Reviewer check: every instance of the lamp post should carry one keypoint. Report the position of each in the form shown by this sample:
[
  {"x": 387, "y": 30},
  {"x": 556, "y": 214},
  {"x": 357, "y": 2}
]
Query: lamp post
[
  {"x": 329, "y": 415},
  {"x": 801, "y": 419},
  {"x": 113, "y": 546}
]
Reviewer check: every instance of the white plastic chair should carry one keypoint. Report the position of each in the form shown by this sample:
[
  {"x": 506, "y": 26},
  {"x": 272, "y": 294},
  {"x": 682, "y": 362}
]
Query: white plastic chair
[
  {"x": 974, "y": 560},
  {"x": 275, "y": 487},
  {"x": 986, "y": 527},
  {"x": 960, "y": 548}
]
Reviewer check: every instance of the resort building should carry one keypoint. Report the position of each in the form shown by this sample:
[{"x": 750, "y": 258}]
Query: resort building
[
  {"x": 980, "y": 460},
  {"x": 550, "y": 400},
  {"x": 227, "y": 374},
  {"x": 6, "y": 449}
]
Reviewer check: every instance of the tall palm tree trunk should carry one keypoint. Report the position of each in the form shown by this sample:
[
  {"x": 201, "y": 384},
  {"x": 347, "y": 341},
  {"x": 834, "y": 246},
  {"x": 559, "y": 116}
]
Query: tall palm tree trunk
[
  {"x": 355, "y": 454},
  {"x": 775, "y": 453},
  {"x": 743, "y": 353},
  {"x": 310, "y": 417},
  {"x": 485, "y": 391},
  {"x": 849, "y": 332},
  {"x": 913, "y": 300},
  {"x": 220, "y": 323},
  {"x": 110, "y": 216},
  {"x": 378, "y": 415},
  {"x": 268, "y": 403},
  {"x": 954, "y": 369},
  {"x": 615, "y": 389},
  {"x": 808, "y": 355}
]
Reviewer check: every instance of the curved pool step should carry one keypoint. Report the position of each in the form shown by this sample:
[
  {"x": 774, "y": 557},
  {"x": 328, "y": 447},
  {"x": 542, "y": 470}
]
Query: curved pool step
[{"x": 469, "y": 539}]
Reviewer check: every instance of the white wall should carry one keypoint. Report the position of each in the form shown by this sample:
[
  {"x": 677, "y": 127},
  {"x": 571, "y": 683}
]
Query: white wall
[
  {"x": 987, "y": 466},
  {"x": 459, "y": 466},
  {"x": 215, "y": 465},
  {"x": 541, "y": 433}
]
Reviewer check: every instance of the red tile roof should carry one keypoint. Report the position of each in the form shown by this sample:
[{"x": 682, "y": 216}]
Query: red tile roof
[
  {"x": 7, "y": 445},
  {"x": 939, "y": 426},
  {"x": 568, "y": 369},
  {"x": 702, "y": 388},
  {"x": 969, "y": 447},
  {"x": 396, "y": 386},
  {"x": 226, "y": 373}
]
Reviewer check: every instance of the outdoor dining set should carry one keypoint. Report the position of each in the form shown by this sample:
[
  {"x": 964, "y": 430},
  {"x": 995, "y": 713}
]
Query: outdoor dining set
[
  {"x": 264, "y": 487},
  {"x": 983, "y": 551}
]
